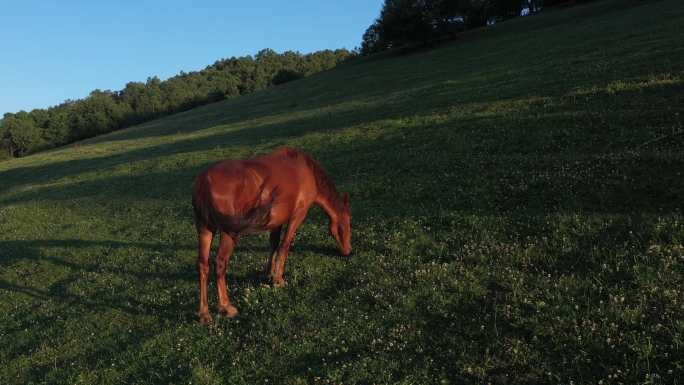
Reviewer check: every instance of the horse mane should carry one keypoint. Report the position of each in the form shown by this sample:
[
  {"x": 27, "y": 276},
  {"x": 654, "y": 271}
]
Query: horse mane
[{"x": 324, "y": 184}]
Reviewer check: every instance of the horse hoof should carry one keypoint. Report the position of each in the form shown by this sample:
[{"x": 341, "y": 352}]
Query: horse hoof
[
  {"x": 230, "y": 311},
  {"x": 279, "y": 283},
  {"x": 205, "y": 319}
]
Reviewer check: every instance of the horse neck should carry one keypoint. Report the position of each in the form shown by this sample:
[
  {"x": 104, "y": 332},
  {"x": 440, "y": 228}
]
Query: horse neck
[
  {"x": 329, "y": 202},
  {"x": 327, "y": 196}
]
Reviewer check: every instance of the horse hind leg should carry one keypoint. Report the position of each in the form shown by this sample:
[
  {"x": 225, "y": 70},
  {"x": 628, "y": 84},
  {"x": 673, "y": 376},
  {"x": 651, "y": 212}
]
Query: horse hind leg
[
  {"x": 274, "y": 240},
  {"x": 204, "y": 238},
  {"x": 225, "y": 249}
]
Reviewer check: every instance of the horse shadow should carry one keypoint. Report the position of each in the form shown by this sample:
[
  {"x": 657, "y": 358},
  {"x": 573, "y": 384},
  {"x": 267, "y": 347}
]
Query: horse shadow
[
  {"x": 30, "y": 254},
  {"x": 29, "y": 257}
]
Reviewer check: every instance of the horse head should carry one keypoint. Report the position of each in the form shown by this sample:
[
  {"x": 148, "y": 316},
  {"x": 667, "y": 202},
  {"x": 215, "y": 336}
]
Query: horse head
[{"x": 340, "y": 227}]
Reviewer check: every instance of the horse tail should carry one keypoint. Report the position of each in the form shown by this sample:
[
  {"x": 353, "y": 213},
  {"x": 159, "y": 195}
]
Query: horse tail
[{"x": 201, "y": 202}]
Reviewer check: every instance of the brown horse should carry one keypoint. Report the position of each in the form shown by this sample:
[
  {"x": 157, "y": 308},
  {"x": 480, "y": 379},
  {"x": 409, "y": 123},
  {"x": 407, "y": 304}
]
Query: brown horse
[{"x": 236, "y": 197}]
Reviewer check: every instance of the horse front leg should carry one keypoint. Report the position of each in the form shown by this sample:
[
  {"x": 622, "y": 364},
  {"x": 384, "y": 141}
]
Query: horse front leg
[
  {"x": 226, "y": 246},
  {"x": 204, "y": 237},
  {"x": 278, "y": 265}
]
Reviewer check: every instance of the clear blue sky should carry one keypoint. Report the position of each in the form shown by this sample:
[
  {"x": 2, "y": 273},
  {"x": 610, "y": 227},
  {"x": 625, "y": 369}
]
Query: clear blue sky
[{"x": 53, "y": 50}]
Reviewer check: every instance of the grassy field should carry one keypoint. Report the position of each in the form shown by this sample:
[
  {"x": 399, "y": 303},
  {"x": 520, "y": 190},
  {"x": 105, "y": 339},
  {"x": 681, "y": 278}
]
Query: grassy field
[{"x": 517, "y": 200}]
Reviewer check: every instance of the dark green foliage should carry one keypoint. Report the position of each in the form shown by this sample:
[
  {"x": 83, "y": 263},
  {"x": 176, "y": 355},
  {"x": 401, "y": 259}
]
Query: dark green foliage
[
  {"x": 284, "y": 76},
  {"x": 105, "y": 111},
  {"x": 411, "y": 22},
  {"x": 407, "y": 22},
  {"x": 20, "y": 134}
]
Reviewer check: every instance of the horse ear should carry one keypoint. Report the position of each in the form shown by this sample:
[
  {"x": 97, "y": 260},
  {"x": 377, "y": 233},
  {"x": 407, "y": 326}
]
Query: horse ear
[{"x": 345, "y": 199}]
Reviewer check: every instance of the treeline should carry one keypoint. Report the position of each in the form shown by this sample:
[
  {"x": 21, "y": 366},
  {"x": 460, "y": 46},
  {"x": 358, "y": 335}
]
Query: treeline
[
  {"x": 24, "y": 132},
  {"x": 415, "y": 22}
]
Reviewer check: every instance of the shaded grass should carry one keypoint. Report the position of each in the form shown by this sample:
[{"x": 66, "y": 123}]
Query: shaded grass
[{"x": 517, "y": 219}]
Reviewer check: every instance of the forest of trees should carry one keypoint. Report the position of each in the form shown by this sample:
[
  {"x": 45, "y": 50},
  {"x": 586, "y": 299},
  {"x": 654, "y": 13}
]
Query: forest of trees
[
  {"x": 24, "y": 132},
  {"x": 416, "y": 22}
]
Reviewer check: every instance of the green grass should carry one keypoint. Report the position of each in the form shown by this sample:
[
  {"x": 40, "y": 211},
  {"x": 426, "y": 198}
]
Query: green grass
[{"x": 517, "y": 219}]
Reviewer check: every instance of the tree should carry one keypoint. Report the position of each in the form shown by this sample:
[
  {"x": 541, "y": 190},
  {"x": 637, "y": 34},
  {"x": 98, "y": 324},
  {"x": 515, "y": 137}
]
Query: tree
[
  {"x": 57, "y": 130},
  {"x": 407, "y": 22},
  {"x": 5, "y": 144},
  {"x": 411, "y": 22},
  {"x": 286, "y": 75},
  {"x": 372, "y": 39},
  {"x": 20, "y": 134}
]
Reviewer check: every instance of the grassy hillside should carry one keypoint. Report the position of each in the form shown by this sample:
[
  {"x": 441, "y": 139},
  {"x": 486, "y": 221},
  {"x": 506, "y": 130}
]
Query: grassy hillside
[{"x": 517, "y": 200}]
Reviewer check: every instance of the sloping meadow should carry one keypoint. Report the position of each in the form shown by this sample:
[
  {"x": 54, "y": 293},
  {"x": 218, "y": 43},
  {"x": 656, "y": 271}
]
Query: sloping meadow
[{"x": 516, "y": 199}]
